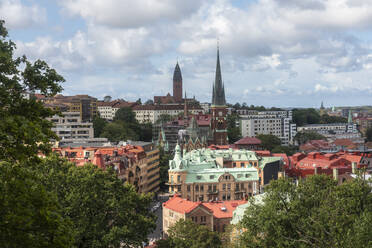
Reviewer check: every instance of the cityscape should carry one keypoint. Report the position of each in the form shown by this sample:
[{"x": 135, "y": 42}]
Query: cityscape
[{"x": 129, "y": 134}]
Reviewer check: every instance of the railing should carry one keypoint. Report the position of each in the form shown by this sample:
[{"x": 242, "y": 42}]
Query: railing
[{"x": 212, "y": 191}]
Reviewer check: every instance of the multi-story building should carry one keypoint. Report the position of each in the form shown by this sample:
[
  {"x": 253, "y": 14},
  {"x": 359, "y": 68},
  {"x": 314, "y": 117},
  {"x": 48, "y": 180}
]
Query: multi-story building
[
  {"x": 151, "y": 113},
  {"x": 214, "y": 215},
  {"x": 205, "y": 174},
  {"x": 70, "y": 126},
  {"x": 107, "y": 110},
  {"x": 278, "y": 123},
  {"x": 331, "y": 128},
  {"x": 85, "y": 105},
  {"x": 136, "y": 163}
]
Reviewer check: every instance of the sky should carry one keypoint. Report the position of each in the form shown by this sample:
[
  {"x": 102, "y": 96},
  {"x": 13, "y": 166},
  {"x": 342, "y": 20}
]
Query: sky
[{"x": 283, "y": 53}]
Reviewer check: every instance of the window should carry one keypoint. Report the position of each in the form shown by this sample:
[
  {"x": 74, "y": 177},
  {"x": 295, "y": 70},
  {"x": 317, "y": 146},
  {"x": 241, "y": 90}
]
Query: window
[
  {"x": 242, "y": 164},
  {"x": 228, "y": 186},
  {"x": 170, "y": 214},
  {"x": 188, "y": 188},
  {"x": 209, "y": 187},
  {"x": 203, "y": 218},
  {"x": 224, "y": 197},
  {"x": 234, "y": 165},
  {"x": 211, "y": 176},
  {"x": 228, "y": 197},
  {"x": 224, "y": 186},
  {"x": 214, "y": 188},
  {"x": 178, "y": 178},
  {"x": 197, "y": 188},
  {"x": 201, "y": 198},
  {"x": 201, "y": 187},
  {"x": 198, "y": 177}
]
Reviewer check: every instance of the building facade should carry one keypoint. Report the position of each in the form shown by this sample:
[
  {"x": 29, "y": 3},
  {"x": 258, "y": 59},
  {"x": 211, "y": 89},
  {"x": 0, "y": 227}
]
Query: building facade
[
  {"x": 136, "y": 163},
  {"x": 69, "y": 125},
  {"x": 107, "y": 110},
  {"x": 331, "y": 128},
  {"x": 278, "y": 123},
  {"x": 205, "y": 174}
]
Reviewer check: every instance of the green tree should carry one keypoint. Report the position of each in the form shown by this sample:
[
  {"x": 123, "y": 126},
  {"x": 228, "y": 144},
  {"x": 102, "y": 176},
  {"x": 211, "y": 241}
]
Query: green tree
[
  {"x": 98, "y": 126},
  {"x": 269, "y": 141},
  {"x": 23, "y": 129},
  {"x": 289, "y": 150},
  {"x": 326, "y": 119},
  {"x": 305, "y": 116},
  {"x": 233, "y": 131},
  {"x": 119, "y": 131},
  {"x": 164, "y": 166},
  {"x": 104, "y": 212},
  {"x": 30, "y": 215},
  {"x": 145, "y": 133},
  {"x": 126, "y": 115},
  {"x": 369, "y": 134},
  {"x": 303, "y": 137},
  {"x": 187, "y": 234},
  {"x": 317, "y": 213}
]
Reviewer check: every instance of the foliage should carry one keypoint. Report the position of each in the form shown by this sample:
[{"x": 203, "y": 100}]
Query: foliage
[
  {"x": 233, "y": 131},
  {"x": 187, "y": 234},
  {"x": 303, "y": 137},
  {"x": 369, "y": 134},
  {"x": 325, "y": 119},
  {"x": 164, "y": 166},
  {"x": 289, "y": 150},
  {"x": 23, "y": 129},
  {"x": 98, "y": 126},
  {"x": 163, "y": 118},
  {"x": 305, "y": 116},
  {"x": 149, "y": 102},
  {"x": 30, "y": 215},
  {"x": 104, "y": 212},
  {"x": 317, "y": 213},
  {"x": 126, "y": 127},
  {"x": 125, "y": 114},
  {"x": 139, "y": 101},
  {"x": 269, "y": 141}
]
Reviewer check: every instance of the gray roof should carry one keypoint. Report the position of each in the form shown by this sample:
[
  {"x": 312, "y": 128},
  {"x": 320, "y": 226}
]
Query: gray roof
[{"x": 177, "y": 76}]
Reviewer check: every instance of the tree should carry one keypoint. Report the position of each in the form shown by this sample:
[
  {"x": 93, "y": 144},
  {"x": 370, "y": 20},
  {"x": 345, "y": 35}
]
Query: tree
[
  {"x": 119, "y": 131},
  {"x": 149, "y": 102},
  {"x": 303, "y": 137},
  {"x": 139, "y": 101},
  {"x": 305, "y": 116},
  {"x": 98, "y": 125},
  {"x": 145, "y": 133},
  {"x": 30, "y": 215},
  {"x": 317, "y": 213},
  {"x": 269, "y": 141},
  {"x": 126, "y": 115},
  {"x": 233, "y": 131},
  {"x": 164, "y": 166},
  {"x": 104, "y": 212},
  {"x": 369, "y": 134},
  {"x": 187, "y": 234},
  {"x": 24, "y": 131},
  {"x": 289, "y": 150},
  {"x": 325, "y": 119}
]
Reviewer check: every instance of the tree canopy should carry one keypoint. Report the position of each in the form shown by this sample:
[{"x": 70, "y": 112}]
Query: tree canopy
[
  {"x": 369, "y": 134},
  {"x": 233, "y": 131},
  {"x": 269, "y": 141},
  {"x": 316, "y": 213},
  {"x": 187, "y": 234},
  {"x": 311, "y": 116},
  {"x": 303, "y": 137}
]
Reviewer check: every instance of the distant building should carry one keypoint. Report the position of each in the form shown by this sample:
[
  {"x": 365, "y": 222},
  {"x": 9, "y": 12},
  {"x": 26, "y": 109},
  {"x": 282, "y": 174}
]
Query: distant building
[
  {"x": 216, "y": 216},
  {"x": 249, "y": 143},
  {"x": 331, "y": 128},
  {"x": 107, "y": 110},
  {"x": 278, "y": 123},
  {"x": 136, "y": 163},
  {"x": 206, "y": 174},
  {"x": 70, "y": 126},
  {"x": 177, "y": 89},
  {"x": 85, "y": 105}
]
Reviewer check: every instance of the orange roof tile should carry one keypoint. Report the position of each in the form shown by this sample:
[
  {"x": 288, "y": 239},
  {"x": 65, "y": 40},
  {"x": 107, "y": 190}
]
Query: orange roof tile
[
  {"x": 180, "y": 205},
  {"x": 229, "y": 206}
]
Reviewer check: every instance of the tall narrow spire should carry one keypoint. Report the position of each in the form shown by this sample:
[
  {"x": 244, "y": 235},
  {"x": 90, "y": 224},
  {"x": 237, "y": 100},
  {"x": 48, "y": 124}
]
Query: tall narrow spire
[
  {"x": 218, "y": 95},
  {"x": 177, "y": 84}
]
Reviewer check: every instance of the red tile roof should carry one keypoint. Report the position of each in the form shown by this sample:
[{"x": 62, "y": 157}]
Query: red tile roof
[
  {"x": 222, "y": 209},
  {"x": 248, "y": 141}
]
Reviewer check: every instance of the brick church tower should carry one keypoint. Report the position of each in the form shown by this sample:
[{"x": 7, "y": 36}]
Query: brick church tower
[
  {"x": 177, "y": 84},
  {"x": 219, "y": 108}
]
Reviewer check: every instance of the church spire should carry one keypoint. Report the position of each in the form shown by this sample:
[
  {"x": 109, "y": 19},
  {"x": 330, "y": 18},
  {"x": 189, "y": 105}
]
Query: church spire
[{"x": 218, "y": 95}]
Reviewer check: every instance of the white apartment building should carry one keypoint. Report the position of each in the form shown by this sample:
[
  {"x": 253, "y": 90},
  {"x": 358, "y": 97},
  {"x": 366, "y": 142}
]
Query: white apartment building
[
  {"x": 107, "y": 110},
  {"x": 332, "y": 128},
  {"x": 278, "y": 123},
  {"x": 151, "y": 113},
  {"x": 70, "y": 126}
]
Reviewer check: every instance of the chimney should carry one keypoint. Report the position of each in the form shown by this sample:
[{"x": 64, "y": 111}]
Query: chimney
[
  {"x": 335, "y": 174},
  {"x": 353, "y": 167}
]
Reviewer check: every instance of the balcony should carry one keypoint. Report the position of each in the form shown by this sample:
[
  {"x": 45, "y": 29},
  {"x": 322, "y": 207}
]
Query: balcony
[
  {"x": 211, "y": 192},
  {"x": 240, "y": 191},
  {"x": 174, "y": 183}
]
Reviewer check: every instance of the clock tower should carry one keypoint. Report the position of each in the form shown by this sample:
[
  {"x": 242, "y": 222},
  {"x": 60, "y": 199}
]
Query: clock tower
[{"x": 219, "y": 108}]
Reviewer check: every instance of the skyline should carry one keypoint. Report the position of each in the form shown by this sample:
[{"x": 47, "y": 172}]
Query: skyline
[{"x": 273, "y": 53}]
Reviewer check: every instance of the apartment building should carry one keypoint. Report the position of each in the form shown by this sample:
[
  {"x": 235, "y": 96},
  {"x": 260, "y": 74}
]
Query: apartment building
[
  {"x": 85, "y": 105},
  {"x": 278, "y": 123},
  {"x": 206, "y": 174},
  {"x": 136, "y": 163},
  {"x": 107, "y": 110},
  {"x": 151, "y": 113},
  {"x": 215, "y": 215},
  {"x": 69, "y": 125},
  {"x": 331, "y": 128}
]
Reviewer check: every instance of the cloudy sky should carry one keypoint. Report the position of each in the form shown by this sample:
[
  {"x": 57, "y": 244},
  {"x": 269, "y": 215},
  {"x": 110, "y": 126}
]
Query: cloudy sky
[{"x": 282, "y": 53}]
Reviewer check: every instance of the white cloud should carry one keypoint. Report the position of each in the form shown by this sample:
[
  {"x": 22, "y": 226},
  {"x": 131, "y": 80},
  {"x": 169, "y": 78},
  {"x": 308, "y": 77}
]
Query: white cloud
[
  {"x": 17, "y": 15},
  {"x": 129, "y": 13}
]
